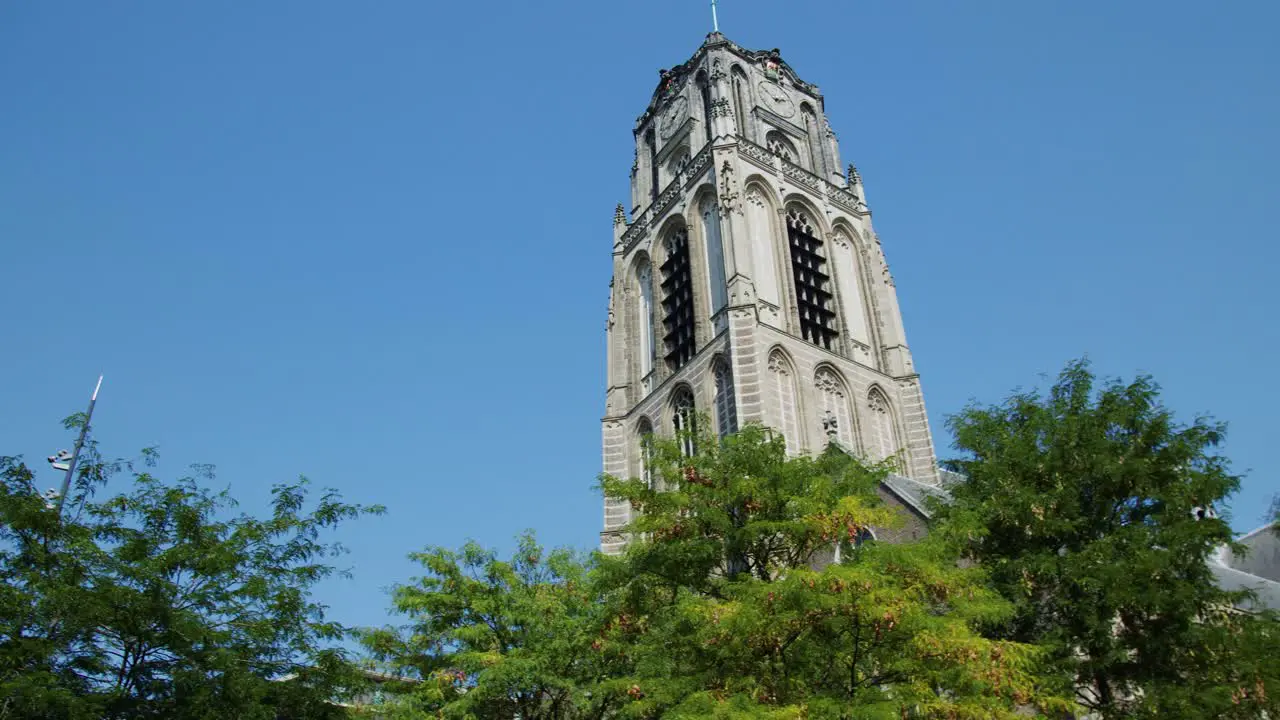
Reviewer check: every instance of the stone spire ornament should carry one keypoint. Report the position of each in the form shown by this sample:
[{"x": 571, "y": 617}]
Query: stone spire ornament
[
  {"x": 619, "y": 215},
  {"x": 854, "y": 177}
]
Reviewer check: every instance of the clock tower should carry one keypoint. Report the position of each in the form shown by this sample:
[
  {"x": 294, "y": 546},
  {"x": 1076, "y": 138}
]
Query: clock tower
[{"x": 749, "y": 284}]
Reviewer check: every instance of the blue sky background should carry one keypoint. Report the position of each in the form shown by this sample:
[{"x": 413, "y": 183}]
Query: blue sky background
[{"x": 369, "y": 242}]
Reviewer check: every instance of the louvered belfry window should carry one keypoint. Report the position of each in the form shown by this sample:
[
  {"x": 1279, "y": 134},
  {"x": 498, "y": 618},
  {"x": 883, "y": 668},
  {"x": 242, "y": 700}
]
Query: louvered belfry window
[
  {"x": 813, "y": 299},
  {"x": 677, "y": 301}
]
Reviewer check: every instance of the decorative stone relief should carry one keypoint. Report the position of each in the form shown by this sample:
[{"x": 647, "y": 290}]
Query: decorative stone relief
[
  {"x": 846, "y": 199},
  {"x": 721, "y": 108},
  {"x": 717, "y": 71},
  {"x": 699, "y": 163},
  {"x": 827, "y": 383},
  {"x": 756, "y": 152},
  {"x": 800, "y": 175},
  {"x": 728, "y": 190},
  {"x": 830, "y": 425},
  {"x": 619, "y": 215}
]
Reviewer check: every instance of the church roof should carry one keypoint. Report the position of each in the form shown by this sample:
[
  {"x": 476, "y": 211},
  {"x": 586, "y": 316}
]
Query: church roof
[
  {"x": 916, "y": 494},
  {"x": 1266, "y": 592}
]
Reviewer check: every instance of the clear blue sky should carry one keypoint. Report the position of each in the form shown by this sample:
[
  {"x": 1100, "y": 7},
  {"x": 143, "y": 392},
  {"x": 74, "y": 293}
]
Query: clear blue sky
[{"x": 369, "y": 242}]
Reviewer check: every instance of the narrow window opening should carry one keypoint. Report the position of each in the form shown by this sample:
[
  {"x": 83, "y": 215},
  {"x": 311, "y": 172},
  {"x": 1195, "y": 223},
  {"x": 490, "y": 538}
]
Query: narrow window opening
[
  {"x": 685, "y": 422},
  {"x": 784, "y": 385},
  {"x": 705, "y": 89},
  {"x": 652, "y": 144},
  {"x": 644, "y": 278},
  {"x": 740, "y": 106},
  {"x": 813, "y": 299},
  {"x": 884, "y": 435},
  {"x": 677, "y": 301},
  {"x": 837, "y": 419},
  {"x": 645, "y": 431},
  {"x": 726, "y": 406},
  {"x": 781, "y": 147}
]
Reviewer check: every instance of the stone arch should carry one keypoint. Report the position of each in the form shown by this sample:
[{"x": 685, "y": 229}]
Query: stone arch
[
  {"x": 725, "y": 402},
  {"x": 863, "y": 537},
  {"x": 816, "y": 216},
  {"x": 835, "y": 406},
  {"x": 643, "y": 318},
  {"x": 741, "y": 88},
  {"x": 783, "y": 383},
  {"x": 683, "y": 409},
  {"x": 672, "y": 222},
  {"x": 854, "y": 298},
  {"x": 703, "y": 84},
  {"x": 677, "y": 161},
  {"x": 765, "y": 265},
  {"x": 644, "y": 466},
  {"x": 650, "y": 167},
  {"x": 674, "y": 294},
  {"x": 814, "y": 299},
  {"x": 813, "y": 140},
  {"x": 884, "y": 439},
  {"x": 705, "y": 207},
  {"x": 782, "y": 146}
]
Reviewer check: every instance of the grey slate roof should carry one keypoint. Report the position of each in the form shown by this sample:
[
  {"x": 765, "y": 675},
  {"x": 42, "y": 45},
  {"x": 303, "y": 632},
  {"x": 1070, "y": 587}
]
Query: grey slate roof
[{"x": 914, "y": 493}]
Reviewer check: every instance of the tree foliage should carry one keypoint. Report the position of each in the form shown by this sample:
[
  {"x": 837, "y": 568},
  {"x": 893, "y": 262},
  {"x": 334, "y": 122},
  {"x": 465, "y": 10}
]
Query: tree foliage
[
  {"x": 725, "y": 604},
  {"x": 491, "y": 638},
  {"x": 1087, "y": 506},
  {"x": 158, "y": 601}
]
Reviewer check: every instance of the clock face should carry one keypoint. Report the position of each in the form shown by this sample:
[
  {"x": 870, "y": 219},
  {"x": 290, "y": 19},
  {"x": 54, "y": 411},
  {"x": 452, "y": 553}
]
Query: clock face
[
  {"x": 673, "y": 117},
  {"x": 776, "y": 99}
]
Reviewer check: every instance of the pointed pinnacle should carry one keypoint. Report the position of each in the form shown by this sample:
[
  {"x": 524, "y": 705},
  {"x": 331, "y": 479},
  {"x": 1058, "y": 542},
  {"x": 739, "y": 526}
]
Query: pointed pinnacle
[
  {"x": 854, "y": 177},
  {"x": 619, "y": 215}
]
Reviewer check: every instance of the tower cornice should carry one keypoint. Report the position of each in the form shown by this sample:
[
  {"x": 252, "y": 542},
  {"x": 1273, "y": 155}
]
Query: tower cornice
[{"x": 672, "y": 80}]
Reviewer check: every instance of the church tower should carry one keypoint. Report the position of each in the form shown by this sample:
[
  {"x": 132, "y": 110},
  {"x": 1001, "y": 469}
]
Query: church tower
[{"x": 749, "y": 284}]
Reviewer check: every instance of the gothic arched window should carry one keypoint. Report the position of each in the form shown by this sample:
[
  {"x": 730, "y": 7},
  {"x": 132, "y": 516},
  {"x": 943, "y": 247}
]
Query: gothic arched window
[
  {"x": 742, "y": 103},
  {"x": 833, "y": 400},
  {"x": 760, "y": 223},
  {"x": 644, "y": 316},
  {"x": 848, "y": 547},
  {"x": 710, "y": 213},
  {"x": 846, "y": 262},
  {"x": 684, "y": 420},
  {"x": 726, "y": 406},
  {"x": 814, "y": 139},
  {"x": 651, "y": 145},
  {"x": 644, "y": 433},
  {"x": 782, "y": 377},
  {"x": 704, "y": 91},
  {"x": 679, "y": 159},
  {"x": 677, "y": 301},
  {"x": 808, "y": 266},
  {"x": 779, "y": 145},
  {"x": 884, "y": 432}
]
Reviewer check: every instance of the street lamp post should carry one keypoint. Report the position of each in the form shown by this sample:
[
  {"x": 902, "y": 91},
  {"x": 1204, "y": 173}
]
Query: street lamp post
[{"x": 67, "y": 461}]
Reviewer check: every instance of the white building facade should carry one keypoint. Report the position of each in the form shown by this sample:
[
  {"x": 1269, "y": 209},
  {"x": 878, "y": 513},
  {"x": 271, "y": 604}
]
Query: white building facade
[{"x": 749, "y": 284}]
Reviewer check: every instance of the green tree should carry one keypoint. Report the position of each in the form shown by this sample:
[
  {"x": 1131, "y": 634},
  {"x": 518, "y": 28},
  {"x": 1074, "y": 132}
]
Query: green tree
[
  {"x": 160, "y": 602},
  {"x": 490, "y": 638},
  {"x": 718, "y": 608},
  {"x": 1086, "y": 506}
]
